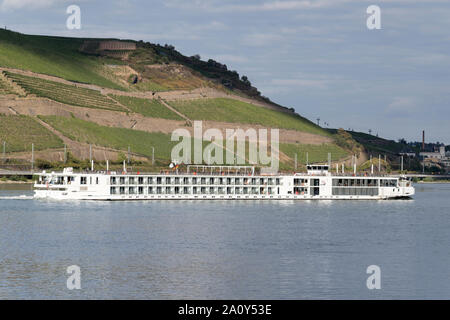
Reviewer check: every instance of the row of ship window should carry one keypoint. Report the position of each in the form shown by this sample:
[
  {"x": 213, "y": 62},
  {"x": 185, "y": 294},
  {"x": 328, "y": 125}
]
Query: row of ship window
[
  {"x": 193, "y": 190},
  {"x": 193, "y": 180},
  {"x": 364, "y": 182},
  {"x": 336, "y": 191}
]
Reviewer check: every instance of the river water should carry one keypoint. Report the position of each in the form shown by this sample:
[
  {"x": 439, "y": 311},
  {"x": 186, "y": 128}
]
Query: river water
[{"x": 225, "y": 249}]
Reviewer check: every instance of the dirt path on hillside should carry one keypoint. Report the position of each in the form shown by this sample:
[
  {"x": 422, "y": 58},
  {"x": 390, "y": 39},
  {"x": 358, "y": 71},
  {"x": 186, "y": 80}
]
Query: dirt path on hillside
[{"x": 41, "y": 106}]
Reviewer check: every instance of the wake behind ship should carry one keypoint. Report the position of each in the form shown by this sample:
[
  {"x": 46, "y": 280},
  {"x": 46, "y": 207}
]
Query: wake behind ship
[{"x": 220, "y": 182}]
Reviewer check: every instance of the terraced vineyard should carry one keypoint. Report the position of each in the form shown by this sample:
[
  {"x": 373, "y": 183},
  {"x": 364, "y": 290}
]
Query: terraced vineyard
[
  {"x": 316, "y": 153},
  {"x": 229, "y": 110},
  {"x": 140, "y": 142},
  {"x": 5, "y": 88},
  {"x": 19, "y": 132},
  {"x": 147, "y": 107},
  {"x": 64, "y": 93}
]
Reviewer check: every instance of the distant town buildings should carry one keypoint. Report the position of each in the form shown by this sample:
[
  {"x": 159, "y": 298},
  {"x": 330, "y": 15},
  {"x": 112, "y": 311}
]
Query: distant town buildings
[{"x": 438, "y": 158}]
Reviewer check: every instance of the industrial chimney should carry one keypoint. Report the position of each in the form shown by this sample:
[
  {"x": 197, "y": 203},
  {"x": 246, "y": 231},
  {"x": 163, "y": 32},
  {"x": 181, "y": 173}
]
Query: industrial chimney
[{"x": 423, "y": 140}]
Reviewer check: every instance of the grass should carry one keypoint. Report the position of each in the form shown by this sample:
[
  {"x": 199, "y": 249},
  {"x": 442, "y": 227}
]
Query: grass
[
  {"x": 229, "y": 110},
  {"x": 150, "y": 86},
  {"x": 5, "y": 88},
  {"x": 140, "y": 142},
  {"x": 20, "y": 132},
  {"x": 147, "y": 107},
  {"x": 55, "y": 56},
  {"x": 316, "y": 153},
  {"x": 64, "y": 93}
]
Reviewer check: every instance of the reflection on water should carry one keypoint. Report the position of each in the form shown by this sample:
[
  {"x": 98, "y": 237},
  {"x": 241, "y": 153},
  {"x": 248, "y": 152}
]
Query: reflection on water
[{"x": 225, "y": 249}]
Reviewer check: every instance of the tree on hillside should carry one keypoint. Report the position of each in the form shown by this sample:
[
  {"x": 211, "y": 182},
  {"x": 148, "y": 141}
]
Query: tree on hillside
[{"x": 245, "y": 80}]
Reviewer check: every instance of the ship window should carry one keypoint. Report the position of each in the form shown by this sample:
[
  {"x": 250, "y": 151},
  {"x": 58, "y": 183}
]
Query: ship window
[
  {"x": 177, "y": 180},
  {"x": 112, "y": 180},
  {"x": 150, "y": 180},
  {"x": 131, "y": 190},
  {"x": 113, "y": 190},
  {"x": 185, "y": 180},
  {"x": 83, "y": 180},
  {"x": 158, "y": 180},
  {"x": 122, "y": 190},
  {"x": 131, "y": 180},
  {"x": 122, "y": 180},
  {"x": 140, "y": 180},
  {"x": 141, "y": 190},
  {"x": 96, "y": 180},
  {"x": 150, "y": 190}
]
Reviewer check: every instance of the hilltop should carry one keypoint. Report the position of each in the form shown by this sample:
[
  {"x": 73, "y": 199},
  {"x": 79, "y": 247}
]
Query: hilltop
[{"x": 107, "y": 98}]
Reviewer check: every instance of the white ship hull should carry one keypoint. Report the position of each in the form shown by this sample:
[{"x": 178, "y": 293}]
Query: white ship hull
[{"x": 171, "y": 186}]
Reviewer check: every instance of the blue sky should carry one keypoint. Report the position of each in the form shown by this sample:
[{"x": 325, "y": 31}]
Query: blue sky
[{"x": 315, "y": 56}]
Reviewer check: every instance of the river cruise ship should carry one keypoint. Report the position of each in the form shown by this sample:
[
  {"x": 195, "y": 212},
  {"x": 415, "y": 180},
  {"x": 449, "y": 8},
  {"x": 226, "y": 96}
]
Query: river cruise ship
[{"x": 220, "y": 182}]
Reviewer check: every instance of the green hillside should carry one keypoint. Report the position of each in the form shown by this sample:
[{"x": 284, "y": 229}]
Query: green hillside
[
  {"x": 64, "y": 93},
  {"x": 316, "y": 153},
  {"x": 140, "y": 142},
  {"x": 147, "y": 107},
  {"x": 230, "y": 110},
  {"x": 19, "y": 132},
  {"x": 55, "y": 56},
  {"x": 377, "y": 144},
  {"x": 145, "y": 67}
]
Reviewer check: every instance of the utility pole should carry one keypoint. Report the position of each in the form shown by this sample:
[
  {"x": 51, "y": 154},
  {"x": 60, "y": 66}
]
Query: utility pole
[
  {"x": 295, "y": 161},
  {"x": 153, "y": 155},
  {"x": 401, "y": 170},
  {"x": 65, "y": 153},
  {"x": 379, "y": 163},
  {"x": 32, "y": 156},
  {"x": 90, "y": 153}
]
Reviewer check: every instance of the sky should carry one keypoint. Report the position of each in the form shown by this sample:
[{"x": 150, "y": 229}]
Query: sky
[{"x": 316, "y": 56}]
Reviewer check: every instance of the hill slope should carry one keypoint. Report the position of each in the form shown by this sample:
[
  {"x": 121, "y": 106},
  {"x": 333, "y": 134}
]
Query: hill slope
[{"x": 104, "y": 103}]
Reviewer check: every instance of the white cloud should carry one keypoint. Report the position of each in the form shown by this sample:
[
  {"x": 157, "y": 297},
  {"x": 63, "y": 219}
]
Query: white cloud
[{"x": 402, "y": 106}]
